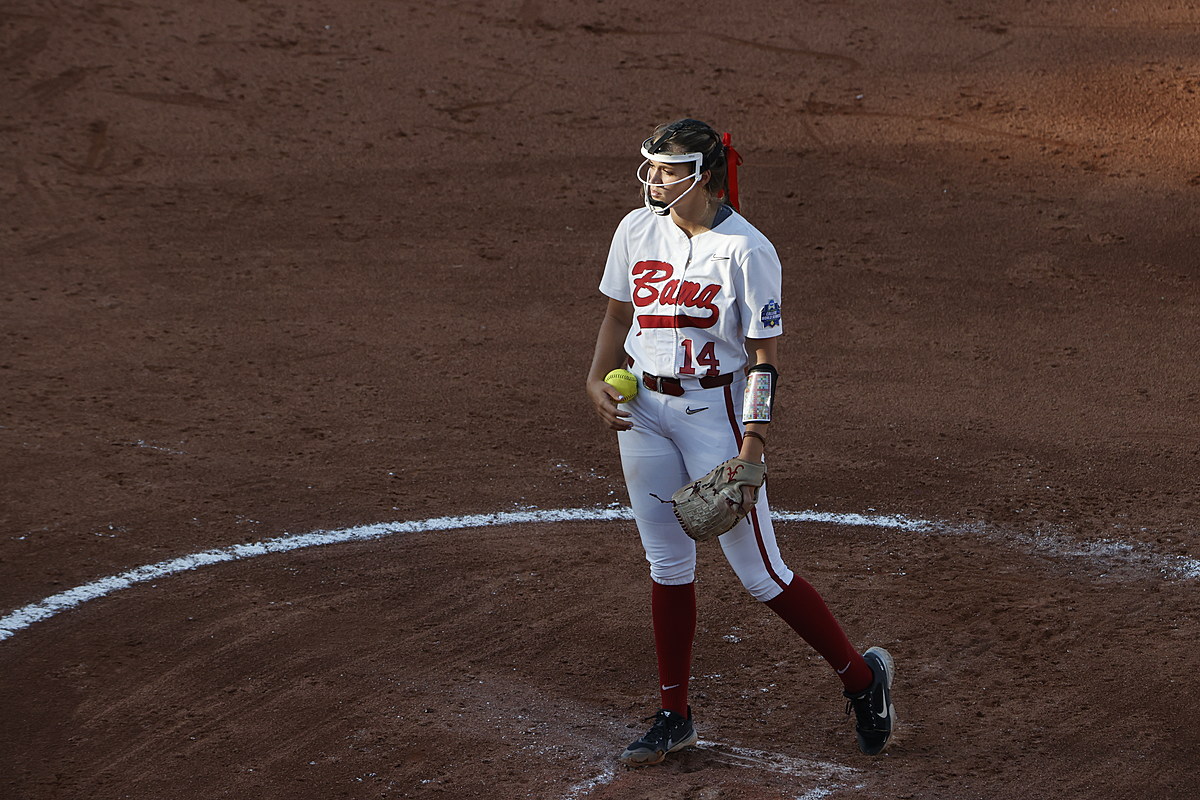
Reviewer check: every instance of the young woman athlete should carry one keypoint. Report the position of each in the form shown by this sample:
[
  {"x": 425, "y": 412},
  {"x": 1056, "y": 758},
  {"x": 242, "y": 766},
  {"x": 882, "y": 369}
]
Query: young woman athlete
[{"x": 694, "y": 307}]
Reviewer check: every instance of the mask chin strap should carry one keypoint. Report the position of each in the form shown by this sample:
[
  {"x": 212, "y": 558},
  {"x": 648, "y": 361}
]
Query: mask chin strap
[{"x": 662, "y": 209}]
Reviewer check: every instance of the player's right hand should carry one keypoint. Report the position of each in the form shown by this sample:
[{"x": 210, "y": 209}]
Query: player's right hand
[{"x": 604, "y": 400}]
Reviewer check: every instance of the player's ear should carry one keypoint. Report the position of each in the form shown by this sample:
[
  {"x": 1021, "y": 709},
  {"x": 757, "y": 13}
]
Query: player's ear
[{"x": 705, "y": 177}]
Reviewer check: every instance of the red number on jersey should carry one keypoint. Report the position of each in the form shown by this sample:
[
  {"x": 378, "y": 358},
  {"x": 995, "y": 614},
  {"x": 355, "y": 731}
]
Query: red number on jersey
[{"x": 706, "y": 358}]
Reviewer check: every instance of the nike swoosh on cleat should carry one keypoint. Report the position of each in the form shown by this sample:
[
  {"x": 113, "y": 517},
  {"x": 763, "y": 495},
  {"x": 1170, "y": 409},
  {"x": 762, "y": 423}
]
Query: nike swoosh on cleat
[
  {"x": 884, "y": 715},
  {"x": 690, "y": 410}
]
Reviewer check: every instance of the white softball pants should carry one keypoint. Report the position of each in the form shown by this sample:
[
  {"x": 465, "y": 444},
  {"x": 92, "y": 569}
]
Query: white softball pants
[{"x": 668, "y": 447}]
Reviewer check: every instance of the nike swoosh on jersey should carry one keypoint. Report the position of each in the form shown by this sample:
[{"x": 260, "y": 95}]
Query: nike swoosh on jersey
[{"x": 690, "y": 410}]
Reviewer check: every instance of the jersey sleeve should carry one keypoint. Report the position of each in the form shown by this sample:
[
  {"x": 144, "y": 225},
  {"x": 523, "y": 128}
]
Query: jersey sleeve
[
  {"x": 761, "y": 277},
  {"x": 615, "y": 283}
]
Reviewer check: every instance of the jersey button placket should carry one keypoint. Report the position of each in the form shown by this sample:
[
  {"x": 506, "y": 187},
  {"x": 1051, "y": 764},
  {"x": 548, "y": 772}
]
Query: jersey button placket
[{"x": 676, "y": 353}]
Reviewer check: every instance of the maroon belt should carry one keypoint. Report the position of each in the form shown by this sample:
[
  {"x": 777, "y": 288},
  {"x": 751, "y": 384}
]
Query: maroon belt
[{"x": 674, "y": 387}]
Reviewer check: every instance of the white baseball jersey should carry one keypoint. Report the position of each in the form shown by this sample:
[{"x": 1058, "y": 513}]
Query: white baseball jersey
[{"x": 696, "y": 300}]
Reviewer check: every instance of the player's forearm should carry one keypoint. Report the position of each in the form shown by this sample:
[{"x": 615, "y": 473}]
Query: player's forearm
[
  {"x": 760, "y": 351},
  {"x": 610, "y": 350},
  {"x": 753, "y": 448},
  {"x": 763, "y": 351},
  {"x": 610, "y": 344}
]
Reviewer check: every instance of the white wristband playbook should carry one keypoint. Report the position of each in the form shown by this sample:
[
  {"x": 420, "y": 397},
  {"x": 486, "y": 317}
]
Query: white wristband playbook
[{"x": 760, "y": 393}]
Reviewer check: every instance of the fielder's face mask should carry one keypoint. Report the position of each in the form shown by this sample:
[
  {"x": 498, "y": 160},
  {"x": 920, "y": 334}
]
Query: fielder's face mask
[{"x": 643, "y": 175}]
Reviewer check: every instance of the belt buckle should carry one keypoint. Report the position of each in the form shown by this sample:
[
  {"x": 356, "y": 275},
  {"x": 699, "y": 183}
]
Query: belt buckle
[{"x": 669, "y": 386}]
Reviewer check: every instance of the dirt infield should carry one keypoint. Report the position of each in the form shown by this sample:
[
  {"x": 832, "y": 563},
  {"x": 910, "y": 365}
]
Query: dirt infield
[{"x": 272, "y": 269}]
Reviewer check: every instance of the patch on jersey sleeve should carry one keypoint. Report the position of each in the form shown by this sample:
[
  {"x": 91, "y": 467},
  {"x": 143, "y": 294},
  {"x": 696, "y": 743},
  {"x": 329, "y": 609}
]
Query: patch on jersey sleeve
[{"x": 771, "y": 314}]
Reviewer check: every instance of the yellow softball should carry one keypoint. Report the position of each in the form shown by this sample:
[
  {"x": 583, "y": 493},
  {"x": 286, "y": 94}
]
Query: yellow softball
[{"x": 624, "y": 382}]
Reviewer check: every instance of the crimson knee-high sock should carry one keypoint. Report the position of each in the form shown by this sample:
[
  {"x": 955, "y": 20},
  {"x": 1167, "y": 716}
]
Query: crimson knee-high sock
[
  {"x": 801, "y": 606},
  {"x": 674, "y": 612}
]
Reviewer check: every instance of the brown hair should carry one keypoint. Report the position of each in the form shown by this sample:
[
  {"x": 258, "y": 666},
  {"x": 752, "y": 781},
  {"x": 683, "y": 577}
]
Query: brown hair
[{"x": 694, "y": 136}]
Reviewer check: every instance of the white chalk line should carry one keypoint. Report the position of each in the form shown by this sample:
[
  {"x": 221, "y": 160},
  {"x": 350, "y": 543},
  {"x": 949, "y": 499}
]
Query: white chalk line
[
  {"x": 1053, "y": 544},
  {"x": 777, "y": 762},
  {"x": 584, "y": 788},
  {"x": 829, "y": 776},
  {"x": 36, "y": 612}
]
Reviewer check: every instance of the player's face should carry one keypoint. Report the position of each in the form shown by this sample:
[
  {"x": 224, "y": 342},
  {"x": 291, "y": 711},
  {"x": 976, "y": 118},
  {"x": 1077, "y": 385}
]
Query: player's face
[{"x": 668, "y": 181}]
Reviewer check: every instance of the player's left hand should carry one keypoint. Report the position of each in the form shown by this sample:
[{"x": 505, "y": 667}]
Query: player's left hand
[{"x": 752, "y": 451}]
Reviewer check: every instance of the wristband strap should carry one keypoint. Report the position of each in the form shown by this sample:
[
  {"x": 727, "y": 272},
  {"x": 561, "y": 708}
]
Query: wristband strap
[
  {"x": 760, "y": 393},
  {"x": 756, "y": 435}
]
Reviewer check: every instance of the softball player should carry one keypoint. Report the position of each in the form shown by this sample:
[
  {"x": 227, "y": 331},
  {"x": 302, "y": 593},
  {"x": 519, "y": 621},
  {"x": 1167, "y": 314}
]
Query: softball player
[{"x": 694, "y": 306}]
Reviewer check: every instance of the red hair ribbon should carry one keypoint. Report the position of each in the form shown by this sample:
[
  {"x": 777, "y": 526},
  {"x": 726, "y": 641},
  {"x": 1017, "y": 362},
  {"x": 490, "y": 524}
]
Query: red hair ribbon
[{"x": 732, "y": 160}]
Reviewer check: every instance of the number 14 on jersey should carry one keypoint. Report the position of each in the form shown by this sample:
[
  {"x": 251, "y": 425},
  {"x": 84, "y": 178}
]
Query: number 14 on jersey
[{"x": 707, "y": 357}]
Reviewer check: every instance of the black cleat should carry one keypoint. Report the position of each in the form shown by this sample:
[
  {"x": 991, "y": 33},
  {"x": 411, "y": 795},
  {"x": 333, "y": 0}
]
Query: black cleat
[
  {"x": 671, "y": 731},
  {"x": 873, "y": 706}
]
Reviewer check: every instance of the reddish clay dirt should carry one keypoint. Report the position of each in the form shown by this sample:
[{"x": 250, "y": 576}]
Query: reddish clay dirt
[{"x": 274, "y": 268}]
